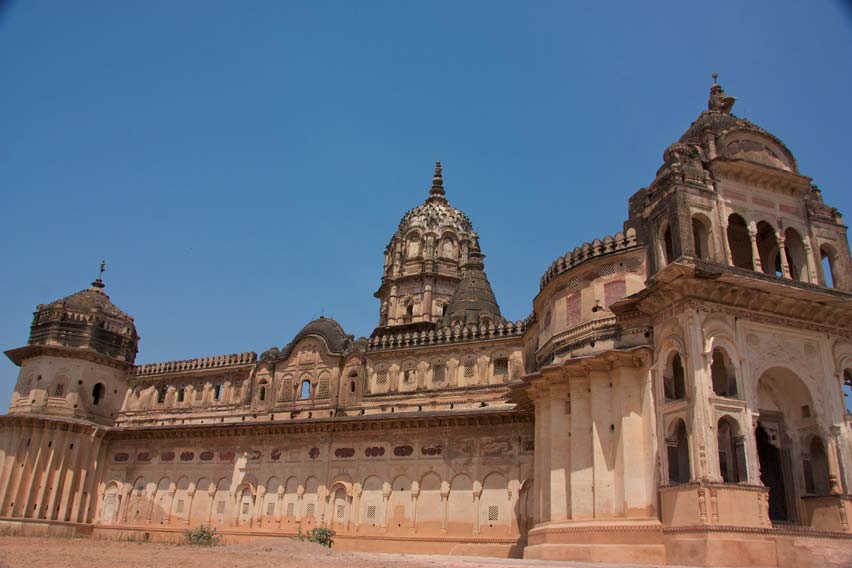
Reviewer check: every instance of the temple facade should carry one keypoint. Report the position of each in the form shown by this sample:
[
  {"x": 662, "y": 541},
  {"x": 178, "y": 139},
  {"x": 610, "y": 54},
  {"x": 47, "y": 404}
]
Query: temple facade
[{"x": 675, "y": 397}]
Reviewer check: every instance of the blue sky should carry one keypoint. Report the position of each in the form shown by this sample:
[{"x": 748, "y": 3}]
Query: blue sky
[{"x": 241, "y": 166}]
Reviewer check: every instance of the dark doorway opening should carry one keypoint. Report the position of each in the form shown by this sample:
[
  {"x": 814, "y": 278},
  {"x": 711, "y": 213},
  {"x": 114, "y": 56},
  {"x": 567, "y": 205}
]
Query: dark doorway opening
[{"x": 772, "y": 475}]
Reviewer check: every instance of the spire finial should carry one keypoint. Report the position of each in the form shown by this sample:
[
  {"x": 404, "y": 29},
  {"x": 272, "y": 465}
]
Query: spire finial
[
  {"x": 99, "y": 283},
  {"x": 715, "y": 76},
  {"x": 437, "y": 182}
]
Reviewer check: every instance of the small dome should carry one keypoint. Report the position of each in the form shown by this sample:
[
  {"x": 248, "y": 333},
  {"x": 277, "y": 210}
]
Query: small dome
[
  {"x": 87, "y": 320},
  {"x": 736, "y": 137},
  {"x": 328, "y": 329}
]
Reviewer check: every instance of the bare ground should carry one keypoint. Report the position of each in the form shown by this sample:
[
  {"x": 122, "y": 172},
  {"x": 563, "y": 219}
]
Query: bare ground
[{"x": 33, "y": 552}]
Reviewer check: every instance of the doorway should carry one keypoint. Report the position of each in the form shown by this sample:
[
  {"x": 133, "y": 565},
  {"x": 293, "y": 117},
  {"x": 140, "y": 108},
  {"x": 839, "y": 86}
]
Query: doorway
[{"x": 772, "y": 473}]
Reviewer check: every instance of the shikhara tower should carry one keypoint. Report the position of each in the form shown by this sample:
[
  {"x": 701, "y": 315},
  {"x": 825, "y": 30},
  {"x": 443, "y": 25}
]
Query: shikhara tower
[{"x": 676, "y": 395}]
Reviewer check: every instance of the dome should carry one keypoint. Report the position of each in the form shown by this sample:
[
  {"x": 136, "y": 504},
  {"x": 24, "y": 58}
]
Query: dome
[
  {"x": 436, "y": 214},
  {"x": 735, "y": 137},
  {"x": 86, "y": 320},
  {"x": 329, "y": 330}
]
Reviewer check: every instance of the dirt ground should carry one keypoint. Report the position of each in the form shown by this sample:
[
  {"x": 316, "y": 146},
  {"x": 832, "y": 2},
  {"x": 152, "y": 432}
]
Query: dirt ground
[{"x": 31, "y": 552}]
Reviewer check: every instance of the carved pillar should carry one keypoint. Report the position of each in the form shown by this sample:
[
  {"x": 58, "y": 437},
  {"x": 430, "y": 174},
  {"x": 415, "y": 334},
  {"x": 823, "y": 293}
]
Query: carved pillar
[
  {"x": 477, "y": 493},
  {"x": 811, "y": 263},
  {"x": 212, "y": 494},
  {"x": 782, "y": 254},
  {"x": 190, "y": 495},
  {"x": 415, "y": 494},
  {"x": 300, "y": 494},
  {"x": 171, "y": 496},
  {"x": 755, "y": 252},
  {"x": 445, "y": 504},
  {"x": 280, "y": 518},
  {"x": 355, "y": 508},
  {"x": 834, "y": 474},
  {"x": 426, "y": 306},
  {"x": 386, "y": 490}
]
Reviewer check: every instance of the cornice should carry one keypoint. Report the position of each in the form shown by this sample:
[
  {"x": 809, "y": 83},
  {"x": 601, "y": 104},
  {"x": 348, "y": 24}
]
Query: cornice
[{"x": 20, "y": 354}]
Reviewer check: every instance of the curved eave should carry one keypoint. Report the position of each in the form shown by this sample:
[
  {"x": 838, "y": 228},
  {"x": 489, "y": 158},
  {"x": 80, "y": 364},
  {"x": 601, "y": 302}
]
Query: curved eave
[{"x": 20, "y": 354}]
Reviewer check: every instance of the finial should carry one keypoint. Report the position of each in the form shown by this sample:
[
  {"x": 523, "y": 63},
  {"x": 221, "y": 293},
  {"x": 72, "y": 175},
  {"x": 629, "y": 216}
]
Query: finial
[
  {"x": 719, "y": 101},
  {"x": 437, "y": 181},
  {"x": 99, "y": 283}
]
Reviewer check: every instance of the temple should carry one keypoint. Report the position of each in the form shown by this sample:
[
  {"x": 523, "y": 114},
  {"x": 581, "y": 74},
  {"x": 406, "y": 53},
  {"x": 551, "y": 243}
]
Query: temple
[{"x": 676, "y": 395}]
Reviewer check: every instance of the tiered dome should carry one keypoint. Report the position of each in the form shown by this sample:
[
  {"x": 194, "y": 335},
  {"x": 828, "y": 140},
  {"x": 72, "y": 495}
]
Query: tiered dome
[
  {"x": 436, "y": 213},
  {"x": 86, "y": 320}
]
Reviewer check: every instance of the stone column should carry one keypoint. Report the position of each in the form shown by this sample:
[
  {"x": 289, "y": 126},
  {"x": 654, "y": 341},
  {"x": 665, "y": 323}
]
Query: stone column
[
  {"x": 834, "y": 475},
  {"x": 300, "y": 494},
  {"x": 755, "y": 252},
  {"x": 69, "y": 484},
  {"x": 811, "y": 263},
  {"x": 190, "y": 494},
  {"x": 280, "y": 505},
  {"x": 558, "y": 433},
  {"x": 45, "y": 483},
  {"x": 477, "y": 493},
  {"x": 426, "y": 306},
  {"x": 703, "y": 442},
  {"x": 257, "y": 517},
  {"x": 12, "y": 442},
  {"x": 415, "y": 494},
  {"x": 355, "y": 507},
  {"x": 582, "y": 465},
  {"x": 212, "y": 494},
  {"x": 56, "y": 479},
  {"x": 386, "y": 490},
  {"x": 782, "y": 254},
  {"x": 445, "y": 505}
]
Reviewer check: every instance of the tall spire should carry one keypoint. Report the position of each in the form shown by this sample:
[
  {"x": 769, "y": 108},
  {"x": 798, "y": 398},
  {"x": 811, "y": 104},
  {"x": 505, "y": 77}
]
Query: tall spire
[{"x": 437, "y": 182}]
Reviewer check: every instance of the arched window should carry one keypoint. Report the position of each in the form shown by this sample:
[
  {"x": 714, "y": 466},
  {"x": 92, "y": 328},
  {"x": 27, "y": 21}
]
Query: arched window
[
  {"x": 847, "y": 390},
  {"x": 666, "y": 244},
  {"x": 677, "y": 452},
  {"x": 674, "y": 383},
  {"x": 261, "y": 395},
  {"x": 767, "y": 248},
  {"x": 409, "y": 313},
  {"x": 732, "y": 461},
  {"x": 501, "y": 366},
  {"x": 352, "y": 386},
  {"x": 59, "y": 389},
  {"x": 722, "y": 373},
  {"x": 827, "y": 258},
  {"x": 739, "y": 242},
  {"x": 305, "y": 390},
  {"x": 796, "y": 257},
  {"x": 815, "y": 468},
  {"x": 701, "y": 238},
  {"x": 180, "y": 394},
  {"x": 218, "y": 392},
  {"x": 98, "y": 393}
]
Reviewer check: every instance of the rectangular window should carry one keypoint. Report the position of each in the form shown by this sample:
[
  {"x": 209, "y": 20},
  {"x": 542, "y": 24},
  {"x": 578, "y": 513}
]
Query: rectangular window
[
  {"x": 245, "y": 508},
  {"x": 493, "y": 513},
  {"x": 270, "y": 508},
  {"x": 220, "y": 508},
  {"x": 468, "y": 369},
  {"x": 309, "y": 510},
  {"x": 501, "y": 366},
  {"x": 381, "y": 376},
  {"x": 438, "y": 373},
  {"x": 179, "y": 507},
  {"x": 217, "y": 392},
  {"x": 291, "y": 509},
  {"x": 180, "y": 394}
]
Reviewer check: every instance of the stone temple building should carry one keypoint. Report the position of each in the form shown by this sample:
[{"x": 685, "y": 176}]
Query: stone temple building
[{"x": 676, "y": 395}]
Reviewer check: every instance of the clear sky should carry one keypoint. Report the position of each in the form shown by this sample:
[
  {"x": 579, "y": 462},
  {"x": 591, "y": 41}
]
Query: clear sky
[{"x": 242, "y": 165}]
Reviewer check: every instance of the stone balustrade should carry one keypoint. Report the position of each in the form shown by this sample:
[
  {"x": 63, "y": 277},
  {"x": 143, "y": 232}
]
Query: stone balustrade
[
  {"x": 447, "y": 335},
  {"x": 198, "y": 364},
  {"x": 616, "y": 243}
]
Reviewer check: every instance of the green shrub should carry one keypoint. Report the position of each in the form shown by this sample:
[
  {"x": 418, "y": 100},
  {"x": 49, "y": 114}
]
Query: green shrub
[
  {"x": 202, "y": 535},
  {"x": 322, "y": 536},
  {"x": 317, "y": 535}
]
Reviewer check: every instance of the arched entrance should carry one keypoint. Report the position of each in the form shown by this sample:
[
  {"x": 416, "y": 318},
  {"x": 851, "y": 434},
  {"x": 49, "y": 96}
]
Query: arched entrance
[{"x": 785, "y": 408}]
